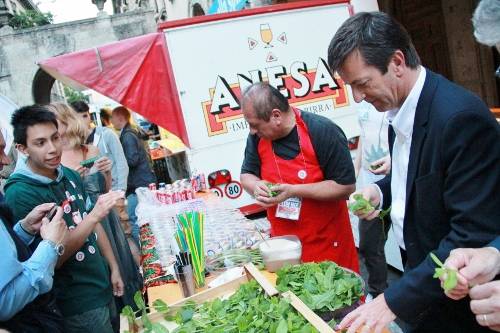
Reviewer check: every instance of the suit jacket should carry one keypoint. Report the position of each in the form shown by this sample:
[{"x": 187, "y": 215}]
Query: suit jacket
[{"x": 452, "y": 200}]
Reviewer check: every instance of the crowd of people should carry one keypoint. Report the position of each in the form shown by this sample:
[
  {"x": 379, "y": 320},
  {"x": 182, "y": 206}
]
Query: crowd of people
[
  {"x": 71, "y": 256},
  {"x": 428, "y": 151}
]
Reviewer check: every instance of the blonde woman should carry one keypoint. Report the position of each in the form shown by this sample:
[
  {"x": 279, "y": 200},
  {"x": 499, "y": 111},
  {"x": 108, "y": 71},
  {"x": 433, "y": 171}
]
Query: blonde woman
[{"x": 97, "y": 180}]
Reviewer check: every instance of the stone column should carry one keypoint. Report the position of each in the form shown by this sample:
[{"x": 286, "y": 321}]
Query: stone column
[
  {"x": 100, "y": 5},
  {"x": 4, "y": 14}
]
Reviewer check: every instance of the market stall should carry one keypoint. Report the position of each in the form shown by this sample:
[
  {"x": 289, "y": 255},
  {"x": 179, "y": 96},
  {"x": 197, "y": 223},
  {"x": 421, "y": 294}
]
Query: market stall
[{"x": 316, "y": 295}]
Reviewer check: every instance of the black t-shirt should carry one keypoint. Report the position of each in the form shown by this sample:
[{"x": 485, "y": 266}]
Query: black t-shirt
[{"x": 329, "y": 143}]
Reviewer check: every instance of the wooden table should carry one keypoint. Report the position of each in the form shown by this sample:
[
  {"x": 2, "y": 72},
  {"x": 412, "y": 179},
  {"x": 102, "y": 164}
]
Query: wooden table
[{"x": 171, "y": 293}]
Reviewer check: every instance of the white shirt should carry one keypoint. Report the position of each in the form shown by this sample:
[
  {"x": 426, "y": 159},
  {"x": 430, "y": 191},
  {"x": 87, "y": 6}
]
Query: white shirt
[{"x": 402, "y": 120}]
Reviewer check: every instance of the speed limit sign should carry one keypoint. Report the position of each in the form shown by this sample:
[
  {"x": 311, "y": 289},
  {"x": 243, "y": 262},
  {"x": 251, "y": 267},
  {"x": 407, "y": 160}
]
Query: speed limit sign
[
  {"x": 217, "y": 191},
  {"x": 233, "y": 190}
]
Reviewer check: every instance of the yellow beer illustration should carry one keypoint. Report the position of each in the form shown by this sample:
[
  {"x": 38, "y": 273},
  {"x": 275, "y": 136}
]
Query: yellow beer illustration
[{"x": 266, "y": 34}]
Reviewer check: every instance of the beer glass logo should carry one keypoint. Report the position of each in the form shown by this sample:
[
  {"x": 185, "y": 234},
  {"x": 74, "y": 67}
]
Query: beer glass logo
[{"x": 266, "y": 34}]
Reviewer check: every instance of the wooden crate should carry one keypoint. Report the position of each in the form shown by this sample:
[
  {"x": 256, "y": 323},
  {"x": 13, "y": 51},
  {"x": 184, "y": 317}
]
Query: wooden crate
[{"x": 227, "y": 289}]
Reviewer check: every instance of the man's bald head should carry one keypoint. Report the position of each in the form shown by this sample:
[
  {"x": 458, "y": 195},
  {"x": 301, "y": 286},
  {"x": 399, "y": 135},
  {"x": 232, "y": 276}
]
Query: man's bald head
[{"x": 263, "y": 98}]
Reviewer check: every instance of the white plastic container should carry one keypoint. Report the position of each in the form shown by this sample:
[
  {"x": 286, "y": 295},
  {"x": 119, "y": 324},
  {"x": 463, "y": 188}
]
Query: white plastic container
[{"x": 278, "y": 251}]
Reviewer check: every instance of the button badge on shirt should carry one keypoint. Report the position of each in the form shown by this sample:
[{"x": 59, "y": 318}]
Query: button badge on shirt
[
  {"x": 91, "y": 249},
  {"x": 302, "y": 174},
  {"x": 80, "y": 256},
  {"x": 77, "y": 218},
  {"x": 66, "y": 207}
]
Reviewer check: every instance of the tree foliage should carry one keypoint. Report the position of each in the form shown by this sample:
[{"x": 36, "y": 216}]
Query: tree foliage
[
  {"x": 73, "y": 95},
  {"x": 30, "y": 19}
]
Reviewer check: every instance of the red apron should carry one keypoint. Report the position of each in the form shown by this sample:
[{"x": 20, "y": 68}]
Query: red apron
[{"x": 323, "y": 226}]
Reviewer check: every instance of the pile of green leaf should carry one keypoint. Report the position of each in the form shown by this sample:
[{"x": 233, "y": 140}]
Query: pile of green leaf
[
  {"x": 248, "y": 310},
  {"x": 321, "y": 286}
]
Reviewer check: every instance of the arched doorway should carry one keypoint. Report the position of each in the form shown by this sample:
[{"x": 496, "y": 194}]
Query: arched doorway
[{"x": 42, "y": 87}]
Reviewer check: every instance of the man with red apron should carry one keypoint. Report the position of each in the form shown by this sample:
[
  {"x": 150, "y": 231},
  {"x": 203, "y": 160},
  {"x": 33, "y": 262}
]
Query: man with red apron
[{"x": 306, "y": 156}]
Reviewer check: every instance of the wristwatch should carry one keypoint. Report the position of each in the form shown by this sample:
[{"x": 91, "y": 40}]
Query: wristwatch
[{"x": 59, "y": 248}]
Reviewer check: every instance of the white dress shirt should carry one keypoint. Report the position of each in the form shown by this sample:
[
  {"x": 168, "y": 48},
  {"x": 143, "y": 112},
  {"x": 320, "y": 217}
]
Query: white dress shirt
[{"x": 402, "y": 120}]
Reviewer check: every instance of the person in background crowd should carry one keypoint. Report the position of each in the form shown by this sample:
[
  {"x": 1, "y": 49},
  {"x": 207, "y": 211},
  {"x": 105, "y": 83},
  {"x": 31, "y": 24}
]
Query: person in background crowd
[
  {"x": 371, "y": 160},
  {"x": 27, "y": 303},
  {"x": 306, "y": 157},
  {"x": 444, "y": 178},
  {"x": 140, "y": 173},
  {"x": 109, "y": 145},
  {"x": 81, "y": 282},
  {"x": 105, "y": 115},
  {"x": 480, "y": 268}
]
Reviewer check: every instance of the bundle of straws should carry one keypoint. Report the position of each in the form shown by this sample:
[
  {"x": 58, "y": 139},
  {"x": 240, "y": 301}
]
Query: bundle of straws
[{"x": 190, "y": 238}]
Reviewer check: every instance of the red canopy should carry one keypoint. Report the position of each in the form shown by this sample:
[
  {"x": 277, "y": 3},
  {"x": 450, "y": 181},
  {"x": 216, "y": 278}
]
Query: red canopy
[{"x": 135, "y": 72}]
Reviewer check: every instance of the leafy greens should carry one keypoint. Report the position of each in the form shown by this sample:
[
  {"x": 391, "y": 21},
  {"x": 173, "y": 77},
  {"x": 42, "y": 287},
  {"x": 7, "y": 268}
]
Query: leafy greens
[{"x": 321, "y": 286}]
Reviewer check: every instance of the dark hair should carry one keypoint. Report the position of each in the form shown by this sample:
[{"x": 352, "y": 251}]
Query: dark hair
[
  {"x": 377, "y": 36},
  {"x": 121, "y": 110},
  {"x": 80, "y": 106},
  {"x": 104, "y": 114},
  {"x": 264, "y": 99},
  {"x": 28, "y": 116}
]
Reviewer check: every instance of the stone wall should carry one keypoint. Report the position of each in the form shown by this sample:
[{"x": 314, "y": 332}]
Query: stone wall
[{"x": 20, "y": 50}]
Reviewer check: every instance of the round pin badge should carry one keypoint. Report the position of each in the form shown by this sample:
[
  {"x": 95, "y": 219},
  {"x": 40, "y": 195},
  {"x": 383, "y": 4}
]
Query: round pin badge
[
  {"x": 77, "y": 217},
  {"x": 91, "y": 249},
  {"x": 302, "y": 174},
  {"x": 80, "y": 256},
  {"x": 67, "y": 208}
]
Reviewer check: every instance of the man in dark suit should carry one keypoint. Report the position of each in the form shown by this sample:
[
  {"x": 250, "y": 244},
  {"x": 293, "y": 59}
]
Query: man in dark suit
[{"x": 445, "y": 170}]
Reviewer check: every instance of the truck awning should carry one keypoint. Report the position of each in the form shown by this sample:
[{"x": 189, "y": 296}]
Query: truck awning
[{"x": 133, "y": 72}]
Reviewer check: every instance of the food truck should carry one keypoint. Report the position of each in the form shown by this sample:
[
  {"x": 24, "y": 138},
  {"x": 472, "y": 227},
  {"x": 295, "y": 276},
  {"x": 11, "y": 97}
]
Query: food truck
[{"x": 188, "y": 78}]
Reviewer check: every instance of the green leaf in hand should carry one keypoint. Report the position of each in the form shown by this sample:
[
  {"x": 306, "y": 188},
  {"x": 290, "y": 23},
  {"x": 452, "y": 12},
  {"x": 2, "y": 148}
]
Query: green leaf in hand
[
  {"x": 436, "y": 260},
  {"x": 449, "y": 274},
  {"x": 451, "y": 279},
  {"x": 360, "y": 205},
  {"x": 271, "y": 193}
]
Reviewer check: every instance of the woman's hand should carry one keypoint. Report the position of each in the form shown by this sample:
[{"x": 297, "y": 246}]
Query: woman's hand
[
  {"x": 104, "y": 164},
  {"x": 117, "y": 283}
]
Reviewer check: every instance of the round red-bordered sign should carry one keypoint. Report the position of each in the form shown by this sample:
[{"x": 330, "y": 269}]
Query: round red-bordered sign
[
  {"x": 217, "y": 191},
  {"x": 233, "y": 190}
]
